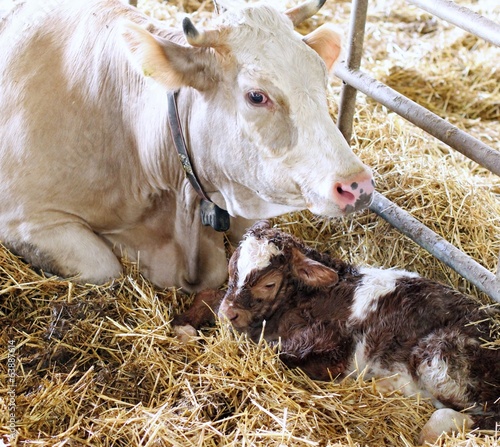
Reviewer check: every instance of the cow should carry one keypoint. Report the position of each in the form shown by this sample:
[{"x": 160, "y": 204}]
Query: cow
[
  {"x": 333, "y": 319},
  {"x": 98, "y": 103},
  {"x": 6, "y": 6}
]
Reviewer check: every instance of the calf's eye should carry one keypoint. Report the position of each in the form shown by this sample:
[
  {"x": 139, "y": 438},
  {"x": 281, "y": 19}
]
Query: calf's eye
[
  {"x": 257, "y": 97},
  {"x": 270, "y": 285}
]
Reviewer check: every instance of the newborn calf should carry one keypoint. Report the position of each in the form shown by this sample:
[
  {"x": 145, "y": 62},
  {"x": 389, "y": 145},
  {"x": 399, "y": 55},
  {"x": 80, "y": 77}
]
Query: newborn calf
[{"x": 334, "y": 319}]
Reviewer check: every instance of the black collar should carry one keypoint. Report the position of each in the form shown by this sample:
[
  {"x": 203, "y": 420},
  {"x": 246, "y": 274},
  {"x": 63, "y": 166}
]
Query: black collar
[{"x": 211, "y": 214}]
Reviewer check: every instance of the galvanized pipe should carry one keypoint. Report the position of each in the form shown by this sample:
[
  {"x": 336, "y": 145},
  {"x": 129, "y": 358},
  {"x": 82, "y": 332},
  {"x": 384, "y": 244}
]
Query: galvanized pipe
[
  {"x": 461, "y": 141},
  {"x": 355, "y": 80},
  {"x": 498, "y": 269},
  {"x": 482, "y": 278},
  {"x": 462, "y": 17},
  {"x": 347, "y": 102}
]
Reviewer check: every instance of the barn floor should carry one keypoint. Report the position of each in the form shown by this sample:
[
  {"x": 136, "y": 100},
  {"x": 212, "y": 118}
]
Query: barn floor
[{"x": 99, "y": 366}]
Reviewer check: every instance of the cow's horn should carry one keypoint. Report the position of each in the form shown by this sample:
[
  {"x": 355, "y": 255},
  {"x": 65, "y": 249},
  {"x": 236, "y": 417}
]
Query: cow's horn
[
  {"x": 216, "y": 7},
  {"x": 207, "y": 38},
  {"x": 219, "y": 8},
  {"x": 302, "y": 12}
]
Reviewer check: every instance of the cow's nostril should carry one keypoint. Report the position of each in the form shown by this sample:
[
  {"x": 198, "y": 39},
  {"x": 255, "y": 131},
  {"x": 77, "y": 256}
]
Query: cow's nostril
[
  {"x": 347, "y": 196},
  {"x": 354, "y": 194}
]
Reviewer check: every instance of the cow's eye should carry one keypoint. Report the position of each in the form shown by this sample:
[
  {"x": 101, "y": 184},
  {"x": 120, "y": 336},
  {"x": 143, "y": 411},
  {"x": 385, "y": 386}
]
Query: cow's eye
[
  {"x": 257, "y": 97},
  {"x": 270, "y": 285}
]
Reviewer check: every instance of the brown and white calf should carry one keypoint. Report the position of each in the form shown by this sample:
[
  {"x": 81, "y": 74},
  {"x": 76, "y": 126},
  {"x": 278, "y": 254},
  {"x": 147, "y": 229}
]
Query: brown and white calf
[{"x": 334, "y": 319}]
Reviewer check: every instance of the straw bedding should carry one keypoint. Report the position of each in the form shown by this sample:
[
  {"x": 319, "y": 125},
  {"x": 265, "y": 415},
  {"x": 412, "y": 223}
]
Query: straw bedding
[{"x": 99, "y": 366}]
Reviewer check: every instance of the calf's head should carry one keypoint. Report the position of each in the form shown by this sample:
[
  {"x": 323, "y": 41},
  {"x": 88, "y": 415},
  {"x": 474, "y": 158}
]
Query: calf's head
[
  {"x": 259, "y": 124},
  {"x": 267, "y": 273}
]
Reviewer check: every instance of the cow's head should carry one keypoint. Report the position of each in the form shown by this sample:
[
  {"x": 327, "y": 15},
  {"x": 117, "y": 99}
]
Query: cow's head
[{"x": 262, "y": 140}]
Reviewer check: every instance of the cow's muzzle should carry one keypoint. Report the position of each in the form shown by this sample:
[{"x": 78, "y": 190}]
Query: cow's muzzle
[{"x": 354, "y": 195}]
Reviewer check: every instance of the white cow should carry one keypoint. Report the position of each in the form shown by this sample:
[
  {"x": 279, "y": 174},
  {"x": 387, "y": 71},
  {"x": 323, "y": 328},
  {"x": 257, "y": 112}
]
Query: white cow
[
  {"x": 6, "y": 6},
  {"x": 88, "y": 166}
]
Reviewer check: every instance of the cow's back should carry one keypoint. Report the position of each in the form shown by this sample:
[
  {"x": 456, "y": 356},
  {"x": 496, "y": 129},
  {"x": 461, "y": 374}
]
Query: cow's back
[{"x": 65, "y": 141}]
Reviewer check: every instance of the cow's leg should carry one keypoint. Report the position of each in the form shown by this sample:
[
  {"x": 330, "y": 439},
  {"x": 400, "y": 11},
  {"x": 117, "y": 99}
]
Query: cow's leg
[
  {"x": 193, "y": 263},
  {"x": 70, "y": 250},
  {"x": 172, "y": 246}
]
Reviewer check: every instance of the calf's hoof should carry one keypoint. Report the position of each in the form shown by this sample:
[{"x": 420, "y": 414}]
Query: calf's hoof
[
  {"x": 444, "y": 420},
  {"x": 185, "y": 333}
]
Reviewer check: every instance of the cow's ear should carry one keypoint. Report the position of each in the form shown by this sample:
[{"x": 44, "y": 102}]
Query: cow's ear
[
  {"x": 168, "y": 63},
  {"x": 326, "y": 42},
  {"x": 311, "y": 272}
]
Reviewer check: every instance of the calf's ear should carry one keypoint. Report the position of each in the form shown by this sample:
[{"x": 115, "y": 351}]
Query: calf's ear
[
  {"x": 311, "y": 272},
  {"x": 168, "y": 63},
  {"x": 326, "y": 42}
]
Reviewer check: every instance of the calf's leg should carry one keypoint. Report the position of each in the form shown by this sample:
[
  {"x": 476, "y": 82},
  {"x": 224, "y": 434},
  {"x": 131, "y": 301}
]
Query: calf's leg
[
  {"x": 202, "y": 311},
  {"x": 444, "y": 420},
  {"x": 444, "y": 360}
]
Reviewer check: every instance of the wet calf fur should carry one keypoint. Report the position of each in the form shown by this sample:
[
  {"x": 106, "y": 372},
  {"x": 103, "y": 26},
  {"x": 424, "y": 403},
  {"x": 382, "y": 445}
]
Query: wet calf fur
[{"x": 334, "y": 319}]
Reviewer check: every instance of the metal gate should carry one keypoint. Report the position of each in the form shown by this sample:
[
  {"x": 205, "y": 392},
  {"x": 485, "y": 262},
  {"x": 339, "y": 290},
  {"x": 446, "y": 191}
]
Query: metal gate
[{"x": 354, "y": 80}]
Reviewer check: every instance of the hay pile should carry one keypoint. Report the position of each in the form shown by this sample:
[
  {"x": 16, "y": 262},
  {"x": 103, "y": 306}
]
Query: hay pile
[{"x": 98, "y": 366}]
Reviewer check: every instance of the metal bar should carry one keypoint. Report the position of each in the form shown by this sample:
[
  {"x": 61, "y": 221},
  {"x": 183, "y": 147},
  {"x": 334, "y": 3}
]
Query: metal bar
[
  {"x": 498, "y": 269},
  {"x": 462, "y": 17},
  {"x": 347, "y": 102},
  {"x": 461, "y": 141},
  {"x": 473, "y": 148},
  {"x": 482, "y": 278}
]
